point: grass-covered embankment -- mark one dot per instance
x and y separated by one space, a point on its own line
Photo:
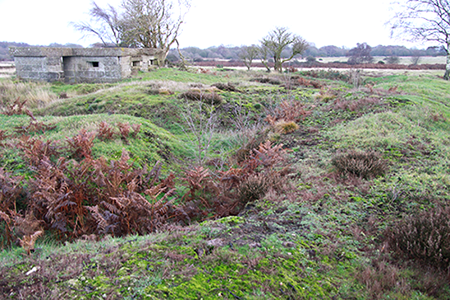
324 235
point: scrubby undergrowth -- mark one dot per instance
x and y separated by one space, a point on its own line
327 189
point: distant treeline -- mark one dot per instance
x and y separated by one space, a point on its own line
232 53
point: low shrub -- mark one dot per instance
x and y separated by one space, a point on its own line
285 127
10 190
225 87
253 188
423 236
273 81
196 95
362 164
287 111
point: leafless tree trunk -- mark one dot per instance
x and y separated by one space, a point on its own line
278 40
248 54
106 24
140 24
154 23
264 52
424 20
200 125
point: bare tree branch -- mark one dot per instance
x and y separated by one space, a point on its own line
279 40
424 20
139 24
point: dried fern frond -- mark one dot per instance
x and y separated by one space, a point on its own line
136 128
16 108
196 176
27 225
269 155
102 223
7 233
28 241
33 127
105 131
35 150
124 129
288 111
3 136
5 217
81 144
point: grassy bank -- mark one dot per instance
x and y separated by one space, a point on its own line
326 215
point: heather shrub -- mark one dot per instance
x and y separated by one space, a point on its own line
423 236
285 127
362 164
197 95
253 188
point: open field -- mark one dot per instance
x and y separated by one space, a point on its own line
227 184
7 69
405 60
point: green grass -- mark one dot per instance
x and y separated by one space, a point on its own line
152 144
321 238
166 74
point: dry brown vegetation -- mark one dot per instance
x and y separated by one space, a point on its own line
206 97
77 195
362 164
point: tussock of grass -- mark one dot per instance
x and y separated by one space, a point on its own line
36 94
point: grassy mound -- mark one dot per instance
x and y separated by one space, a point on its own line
331 208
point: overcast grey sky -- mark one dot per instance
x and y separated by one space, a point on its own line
215 22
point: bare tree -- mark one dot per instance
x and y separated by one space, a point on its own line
424 20
140 24
393 60
415 57
360 54
248 54
154 23
264 54
106 24
279 40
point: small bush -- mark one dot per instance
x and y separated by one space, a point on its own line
393 60
361 164
209 98
273 81
285 127
423 236
288 111
326 74
253 188
225 87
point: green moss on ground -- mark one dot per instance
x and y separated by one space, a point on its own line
321 238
